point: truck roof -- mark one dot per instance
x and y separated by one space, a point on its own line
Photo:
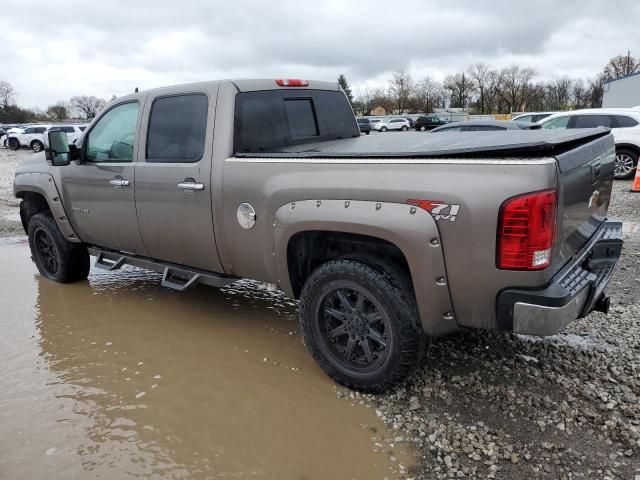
508 143
250 85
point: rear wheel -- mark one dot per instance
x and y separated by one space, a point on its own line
56 258
37 146
625 164
422 128
383 129
13 144
404 128
360 326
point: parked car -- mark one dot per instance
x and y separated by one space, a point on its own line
31 137
364 125
391 124
72 131
9 129
522 230
428 122
624 125
485 126
533 117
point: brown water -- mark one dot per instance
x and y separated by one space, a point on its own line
118 377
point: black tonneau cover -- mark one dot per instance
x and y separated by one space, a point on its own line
508 143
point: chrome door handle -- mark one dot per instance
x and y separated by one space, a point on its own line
119 182
191 186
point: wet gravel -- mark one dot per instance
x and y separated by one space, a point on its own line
9 206
505 406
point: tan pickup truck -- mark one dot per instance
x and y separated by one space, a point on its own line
387 240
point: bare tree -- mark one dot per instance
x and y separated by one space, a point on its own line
579 94
460 88
87 106
485 81
621 65
559 93
428 93
515 86
58 112
401 88
596 90
7 94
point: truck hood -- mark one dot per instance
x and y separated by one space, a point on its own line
33 164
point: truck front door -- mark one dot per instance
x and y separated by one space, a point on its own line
98 194
173 183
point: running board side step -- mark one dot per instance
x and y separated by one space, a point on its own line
176 277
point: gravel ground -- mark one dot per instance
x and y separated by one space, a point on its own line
495 405
9 206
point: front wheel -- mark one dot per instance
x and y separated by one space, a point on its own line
13 144
404 128
625 164
383 129
37 146
56 258
360 325
423 128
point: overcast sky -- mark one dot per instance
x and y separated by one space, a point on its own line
50 51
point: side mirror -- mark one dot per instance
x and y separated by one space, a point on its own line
57 151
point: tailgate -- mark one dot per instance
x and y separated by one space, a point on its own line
585 179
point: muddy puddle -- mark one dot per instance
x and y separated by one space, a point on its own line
119 378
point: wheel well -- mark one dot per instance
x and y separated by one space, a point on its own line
31 204
308 250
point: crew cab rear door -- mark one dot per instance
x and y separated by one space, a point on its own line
173 178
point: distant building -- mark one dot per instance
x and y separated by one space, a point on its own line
623 92
378 111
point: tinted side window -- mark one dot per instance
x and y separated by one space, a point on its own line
526 118
177 128
82 129
30 130
592 121
112 138
623 121
40 129
68 129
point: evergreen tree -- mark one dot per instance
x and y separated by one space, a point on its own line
342 81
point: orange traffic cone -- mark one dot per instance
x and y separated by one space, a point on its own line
636 181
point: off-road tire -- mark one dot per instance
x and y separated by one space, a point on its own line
37 146
405 336
13 144
72 263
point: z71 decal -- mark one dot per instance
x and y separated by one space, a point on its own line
438 209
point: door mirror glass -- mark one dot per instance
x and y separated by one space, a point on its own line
58 150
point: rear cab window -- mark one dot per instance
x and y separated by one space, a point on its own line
271 119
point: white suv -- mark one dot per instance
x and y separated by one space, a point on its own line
33 137
30 137
625 127
391 124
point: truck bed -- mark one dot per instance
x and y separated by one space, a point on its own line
509 143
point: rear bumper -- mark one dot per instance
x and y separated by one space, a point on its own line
574 291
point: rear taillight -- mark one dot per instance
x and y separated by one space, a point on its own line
526 231
292 82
